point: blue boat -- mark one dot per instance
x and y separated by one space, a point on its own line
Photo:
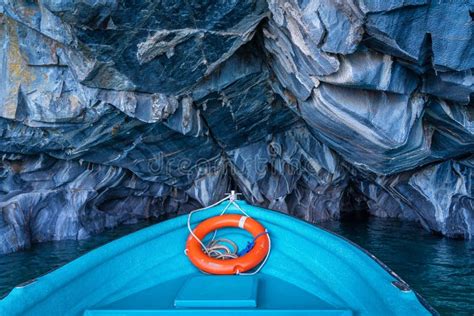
309 271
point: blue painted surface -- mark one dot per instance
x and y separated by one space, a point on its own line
309 271
218 291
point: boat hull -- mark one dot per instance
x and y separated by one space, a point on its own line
309 272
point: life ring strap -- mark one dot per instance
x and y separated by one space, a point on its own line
242 221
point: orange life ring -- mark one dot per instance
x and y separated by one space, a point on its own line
230 266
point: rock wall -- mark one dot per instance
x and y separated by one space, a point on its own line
112 111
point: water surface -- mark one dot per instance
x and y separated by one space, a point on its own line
438 268
23 266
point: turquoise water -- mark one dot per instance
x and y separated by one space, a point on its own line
440 269
22 266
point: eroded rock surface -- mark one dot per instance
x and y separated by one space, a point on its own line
114 111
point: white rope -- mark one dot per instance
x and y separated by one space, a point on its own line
218 250
215 247
202 209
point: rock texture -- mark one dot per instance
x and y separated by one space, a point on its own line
112 111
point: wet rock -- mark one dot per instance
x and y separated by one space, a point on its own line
42 198
439 196
453 126
114 111
407 32
139 47
369 70
296 67
380 6
397 100
375 130
292 172
456 86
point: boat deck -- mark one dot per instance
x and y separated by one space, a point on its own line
229 295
